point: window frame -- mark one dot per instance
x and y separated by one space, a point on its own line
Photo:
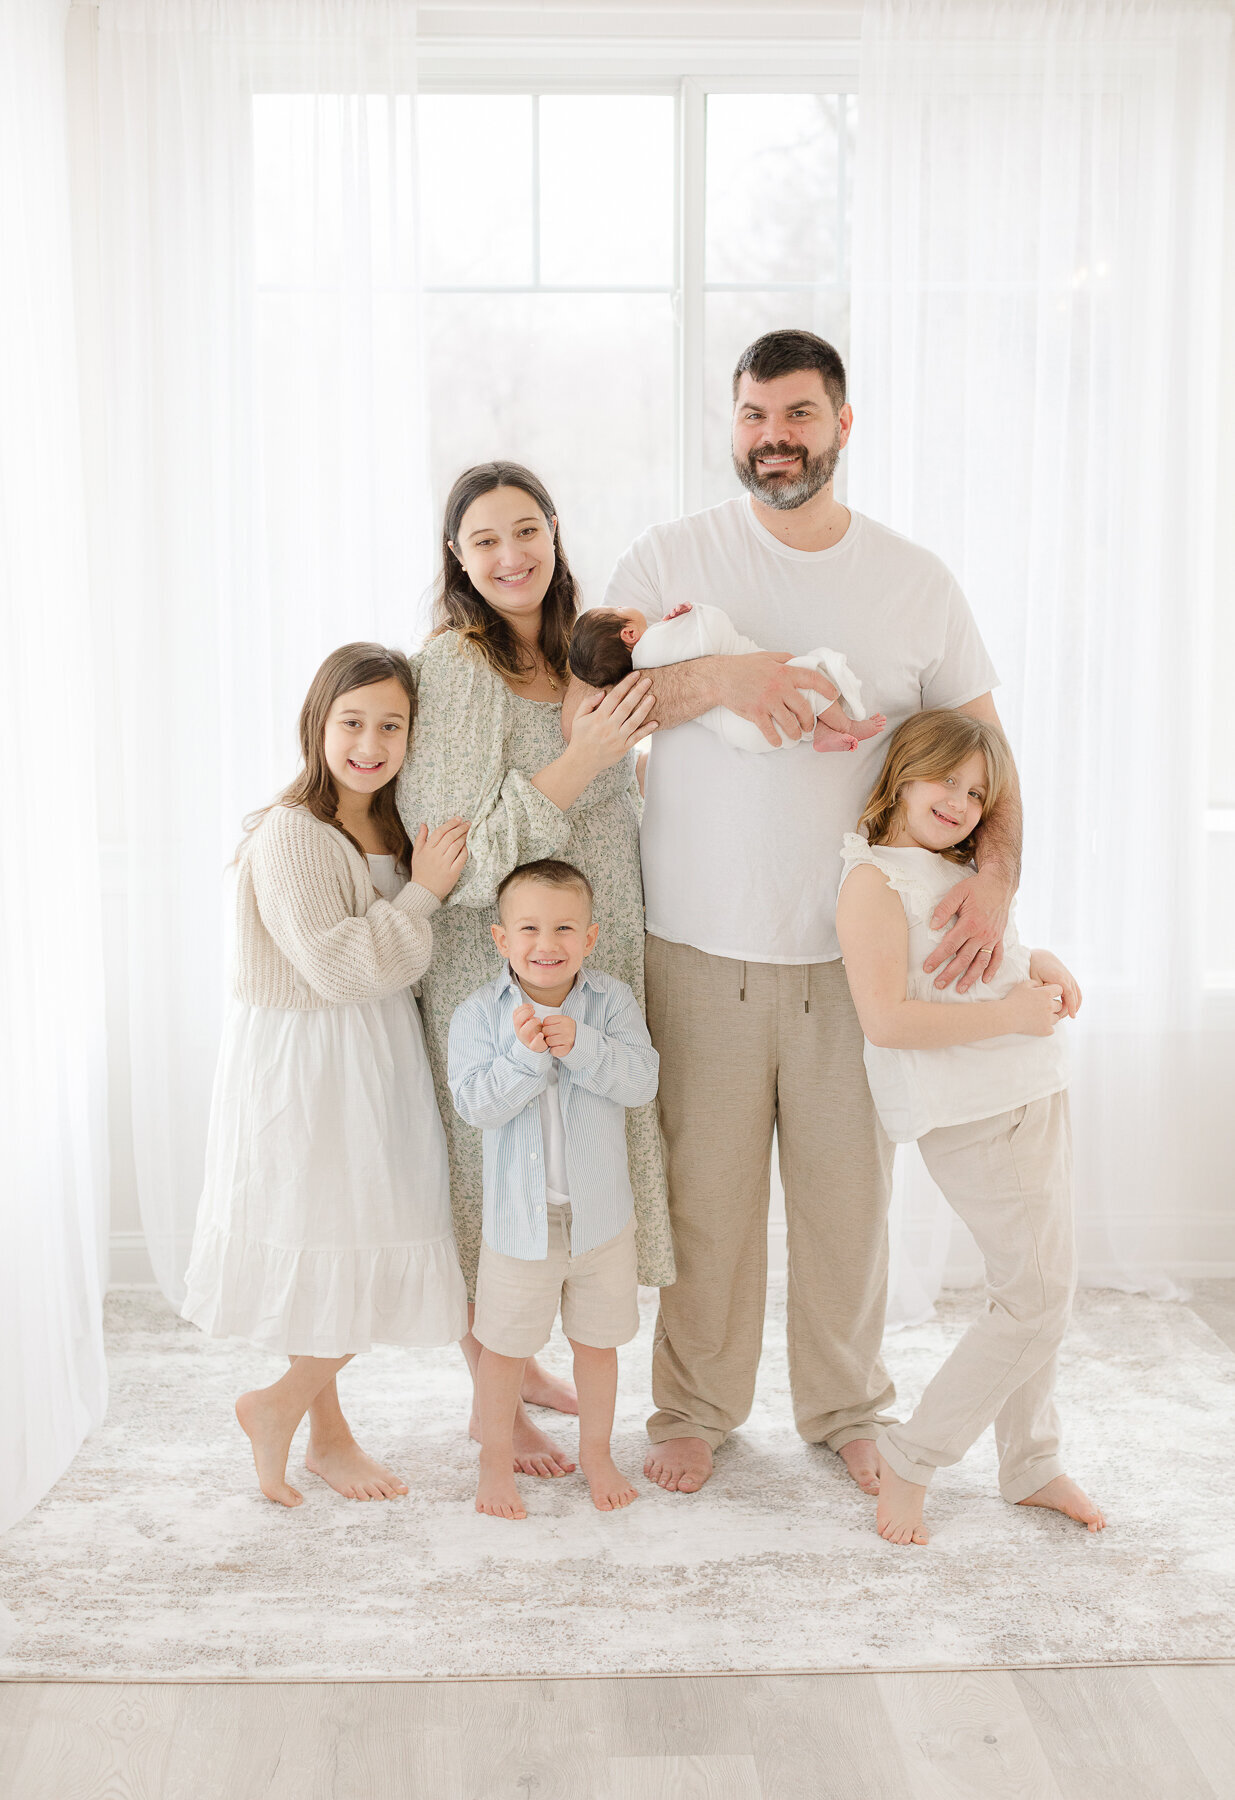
688 74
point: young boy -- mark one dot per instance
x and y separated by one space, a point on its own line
546 1059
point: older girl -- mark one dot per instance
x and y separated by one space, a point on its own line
489 747
324 1224
979 1079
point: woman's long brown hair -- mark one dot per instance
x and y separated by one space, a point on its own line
351 666
928 746
460 608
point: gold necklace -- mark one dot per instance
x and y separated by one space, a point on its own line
537 666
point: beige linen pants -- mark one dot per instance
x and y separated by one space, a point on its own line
745 1047
1010 1179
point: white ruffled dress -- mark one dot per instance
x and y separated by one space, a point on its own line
324 1224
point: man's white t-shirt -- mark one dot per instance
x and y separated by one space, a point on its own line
742 853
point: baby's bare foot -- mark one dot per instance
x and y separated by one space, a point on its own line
898 1518
270 1432
542 1389
679 1465
827 739
610 1488
351 1473
496 1493
535 1452
1062 1495
862 1461
867 728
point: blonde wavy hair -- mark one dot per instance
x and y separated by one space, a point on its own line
927 747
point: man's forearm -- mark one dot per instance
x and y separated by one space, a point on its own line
998 843
685 690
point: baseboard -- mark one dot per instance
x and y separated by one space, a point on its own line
128 1261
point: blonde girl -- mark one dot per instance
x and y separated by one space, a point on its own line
324 1224
979 1079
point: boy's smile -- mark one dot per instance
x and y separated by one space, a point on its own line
545 933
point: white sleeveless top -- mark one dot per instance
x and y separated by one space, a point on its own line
916 1091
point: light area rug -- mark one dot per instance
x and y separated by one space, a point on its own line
156 1558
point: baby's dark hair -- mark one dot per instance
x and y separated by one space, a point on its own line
551 872
597 653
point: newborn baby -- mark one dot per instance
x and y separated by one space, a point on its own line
606 645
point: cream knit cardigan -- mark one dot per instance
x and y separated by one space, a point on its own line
311 928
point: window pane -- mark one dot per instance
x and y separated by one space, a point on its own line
774 179
731 321
577 386
606 190
476 188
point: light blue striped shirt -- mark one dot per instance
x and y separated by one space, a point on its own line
496 1083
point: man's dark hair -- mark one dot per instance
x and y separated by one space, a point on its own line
552 872
597 653
779 353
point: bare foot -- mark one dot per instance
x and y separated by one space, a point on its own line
535 1453
350 1472
496 1493
898 1519
679 1465
542 1389
862 1461
827 739
1062 1495
270 1433
610 1488
867 728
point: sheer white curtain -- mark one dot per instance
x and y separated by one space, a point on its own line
265 486
53 1208
1037 265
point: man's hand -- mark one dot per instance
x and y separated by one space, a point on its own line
1046 968
559 1033
760 688
973 949
528 1028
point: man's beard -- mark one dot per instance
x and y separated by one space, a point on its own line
815 472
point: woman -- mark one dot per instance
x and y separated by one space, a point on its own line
488 747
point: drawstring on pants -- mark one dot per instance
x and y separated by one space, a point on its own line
742 981
805 987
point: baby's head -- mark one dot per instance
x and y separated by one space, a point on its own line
601 644
546 926
943 771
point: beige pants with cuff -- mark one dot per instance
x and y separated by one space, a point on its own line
745 1047
1010 1179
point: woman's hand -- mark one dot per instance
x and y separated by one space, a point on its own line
438 857
1044 966
1032 1008
606 726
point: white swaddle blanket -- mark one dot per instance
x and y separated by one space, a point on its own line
707 631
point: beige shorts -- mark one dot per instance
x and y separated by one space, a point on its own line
517 1300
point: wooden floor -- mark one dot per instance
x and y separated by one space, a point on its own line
1047 1734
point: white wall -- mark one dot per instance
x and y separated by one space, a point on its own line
1194 1228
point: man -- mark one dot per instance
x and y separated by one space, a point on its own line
747 999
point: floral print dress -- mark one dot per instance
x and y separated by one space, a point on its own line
475 746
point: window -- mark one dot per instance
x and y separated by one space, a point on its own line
591 264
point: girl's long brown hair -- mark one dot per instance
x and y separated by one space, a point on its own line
460 608
928 746
351 666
